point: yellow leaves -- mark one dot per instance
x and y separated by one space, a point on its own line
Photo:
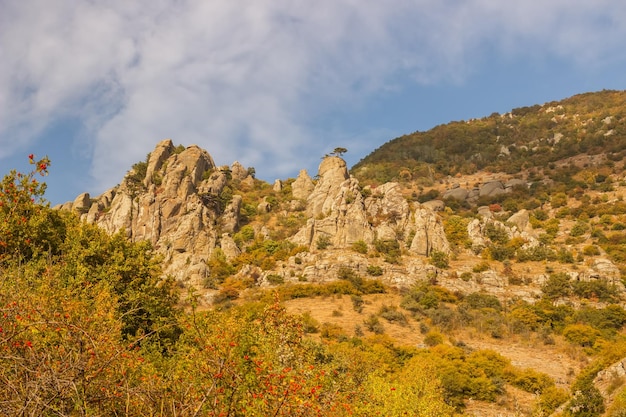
413 391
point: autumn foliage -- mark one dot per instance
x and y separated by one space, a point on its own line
90 327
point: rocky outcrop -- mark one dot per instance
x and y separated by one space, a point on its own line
176 206
303 186
332 173
82 203
516 226
429 233
338 212
187 207
158 156
489 188
238 171
335 208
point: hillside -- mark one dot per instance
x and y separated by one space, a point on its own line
488 253
525 139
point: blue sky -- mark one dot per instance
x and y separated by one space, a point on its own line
276 84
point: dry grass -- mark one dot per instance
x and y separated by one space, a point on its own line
559 361
322 308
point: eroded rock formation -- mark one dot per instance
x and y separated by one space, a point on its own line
177 200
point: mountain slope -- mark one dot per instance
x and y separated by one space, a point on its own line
527 137
505 230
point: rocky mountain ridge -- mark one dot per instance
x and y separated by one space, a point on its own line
190 209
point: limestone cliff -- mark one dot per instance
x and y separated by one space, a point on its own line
170 201
186 206
338 211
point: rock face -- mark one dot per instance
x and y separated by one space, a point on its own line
333 174
429 234
303 186
516 226
339 212
187 207
177 201
175 205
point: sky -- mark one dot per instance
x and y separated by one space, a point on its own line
277 84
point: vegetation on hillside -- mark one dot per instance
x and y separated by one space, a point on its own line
90 326
526 138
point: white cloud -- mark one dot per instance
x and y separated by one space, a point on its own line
246 79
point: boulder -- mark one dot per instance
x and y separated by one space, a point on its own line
303 186
485 212
264 207
178 216
238 171
229 247
434 205
515 182
456 193
521 220
491 188
230 217
475 235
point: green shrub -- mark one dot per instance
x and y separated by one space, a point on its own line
558 285
245 234
332 331
360 247
455 228
599 289
564 256
365 286
481 267
374 270
225 294
480 300
357 303
587 401
500 252
532 381
373 324
551 398
558 200
537 253
591 250
275 279
323 242
309 324
496 233
421 297
466 276
389 249
579 229
391 314
439 259
540 215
